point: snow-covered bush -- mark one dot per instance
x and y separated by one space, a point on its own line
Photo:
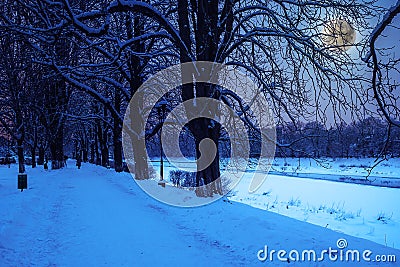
182 178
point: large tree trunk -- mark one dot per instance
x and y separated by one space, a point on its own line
140 160
57 150
206 37
57 104
57 129
135 67
139 145
141 168
208 177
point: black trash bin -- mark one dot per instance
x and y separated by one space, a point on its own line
22 181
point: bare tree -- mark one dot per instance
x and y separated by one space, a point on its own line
15 75
281 45
385 67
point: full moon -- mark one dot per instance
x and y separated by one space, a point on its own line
339 35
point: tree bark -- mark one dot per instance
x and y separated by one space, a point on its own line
206 34
20 153
117 135
34 146
141 168
57 150
41 155
57 105
33 155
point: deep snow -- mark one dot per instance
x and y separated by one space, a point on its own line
96 217
370 212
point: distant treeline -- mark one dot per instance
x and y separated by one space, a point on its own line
366 138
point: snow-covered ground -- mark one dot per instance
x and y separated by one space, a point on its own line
365 211
368 212
96 217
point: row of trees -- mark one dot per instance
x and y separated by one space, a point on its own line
365 138
69 68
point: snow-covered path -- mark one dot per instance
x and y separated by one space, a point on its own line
88 220
95 217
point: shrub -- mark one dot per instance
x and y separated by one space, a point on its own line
182 178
